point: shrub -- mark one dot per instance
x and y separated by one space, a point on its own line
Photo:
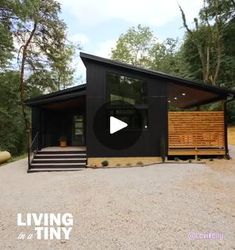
105 163
140 163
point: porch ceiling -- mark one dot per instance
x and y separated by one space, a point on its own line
183 96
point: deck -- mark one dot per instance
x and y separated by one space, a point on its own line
196 133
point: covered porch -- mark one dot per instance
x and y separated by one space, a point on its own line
193 130
63 122
58 131
60 116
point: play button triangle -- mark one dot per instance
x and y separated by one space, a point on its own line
116 125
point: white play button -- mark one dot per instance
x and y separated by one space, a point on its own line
116 125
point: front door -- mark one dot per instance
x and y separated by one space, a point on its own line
78 138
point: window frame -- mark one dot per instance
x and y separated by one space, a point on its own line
145 86
141 107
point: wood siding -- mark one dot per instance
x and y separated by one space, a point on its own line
196 130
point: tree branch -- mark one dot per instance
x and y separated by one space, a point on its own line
204 61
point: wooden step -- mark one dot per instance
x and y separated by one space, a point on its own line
58 165
34 170
60 160
60 156
46 161
61 152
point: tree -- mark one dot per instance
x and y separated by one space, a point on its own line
208 50
12 124
139 47
165 57
133 47
227 73
207 37
6 41
41 38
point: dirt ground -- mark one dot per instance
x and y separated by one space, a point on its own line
156 207
231 135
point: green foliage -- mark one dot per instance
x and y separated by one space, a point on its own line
105 163
12 132
40 37
6 41
43 54
133 47
223 8
139 47
208 50
231 112
227 73
192 62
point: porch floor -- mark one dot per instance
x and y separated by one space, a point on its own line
68 148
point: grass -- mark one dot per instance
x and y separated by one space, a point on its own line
231 135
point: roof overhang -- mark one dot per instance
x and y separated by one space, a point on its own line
183 93
58 96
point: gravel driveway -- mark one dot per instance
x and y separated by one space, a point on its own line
154 207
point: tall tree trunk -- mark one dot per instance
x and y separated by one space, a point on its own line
21 76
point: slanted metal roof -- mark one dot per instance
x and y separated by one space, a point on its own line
58 96
184 93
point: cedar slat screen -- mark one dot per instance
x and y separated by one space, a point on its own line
197 129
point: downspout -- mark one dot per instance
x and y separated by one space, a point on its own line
229 99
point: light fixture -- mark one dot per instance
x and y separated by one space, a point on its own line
183 94
175 98
169 101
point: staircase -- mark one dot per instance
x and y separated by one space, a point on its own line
44 161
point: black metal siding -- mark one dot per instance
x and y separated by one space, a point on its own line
149 144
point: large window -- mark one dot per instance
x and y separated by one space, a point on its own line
127 89
131 91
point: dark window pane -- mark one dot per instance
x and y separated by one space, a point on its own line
127 89
136 119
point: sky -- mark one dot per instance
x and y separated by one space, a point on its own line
97 24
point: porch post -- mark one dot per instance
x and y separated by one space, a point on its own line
226 131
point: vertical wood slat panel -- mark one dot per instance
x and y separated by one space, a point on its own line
196 129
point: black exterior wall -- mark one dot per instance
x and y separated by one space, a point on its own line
36 124
151 141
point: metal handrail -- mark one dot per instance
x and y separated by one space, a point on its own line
32 149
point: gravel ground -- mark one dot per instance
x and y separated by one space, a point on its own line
154 207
